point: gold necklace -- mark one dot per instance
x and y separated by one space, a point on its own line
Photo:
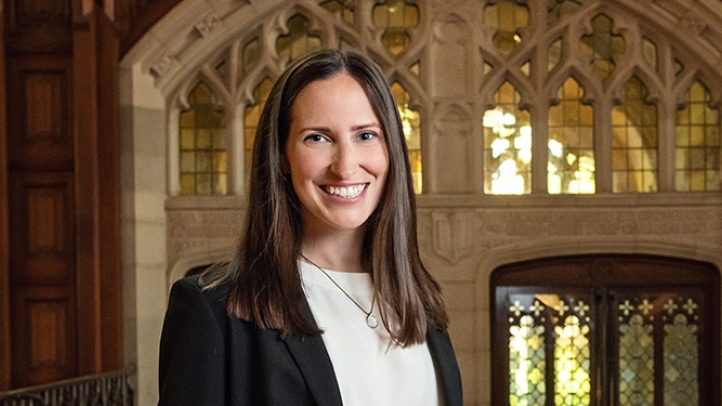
371 320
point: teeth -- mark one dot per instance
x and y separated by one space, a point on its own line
347 192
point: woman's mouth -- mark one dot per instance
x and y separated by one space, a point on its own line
347 192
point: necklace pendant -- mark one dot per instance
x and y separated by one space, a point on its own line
372 321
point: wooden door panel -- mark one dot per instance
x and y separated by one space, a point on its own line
42 229
40 125
44 329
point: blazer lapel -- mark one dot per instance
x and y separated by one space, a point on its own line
313 361
446 366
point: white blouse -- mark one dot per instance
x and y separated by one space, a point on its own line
370 370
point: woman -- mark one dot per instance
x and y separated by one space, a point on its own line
326 301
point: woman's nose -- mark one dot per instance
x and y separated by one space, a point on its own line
345 161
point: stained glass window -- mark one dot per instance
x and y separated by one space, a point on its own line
411 122
345 8
649 53
571 143
634 141
698 142
602 47
299 41
203 148
507 145
554 56
508 17
559 8
589 330
396 18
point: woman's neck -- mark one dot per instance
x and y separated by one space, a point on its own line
338 252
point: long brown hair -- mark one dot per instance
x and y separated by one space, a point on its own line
265 283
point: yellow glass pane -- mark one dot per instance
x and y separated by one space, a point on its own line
187 139
411 123
508 17
203 138
415 68
396 18
344 8
188 162
203 184
697 158
571 162
188 184
187 119
507 145
202 129
219 139
649 53
220 182
220 163
203 162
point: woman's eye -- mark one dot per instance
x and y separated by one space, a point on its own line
366 136
315 138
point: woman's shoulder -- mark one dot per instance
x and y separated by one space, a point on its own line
201 288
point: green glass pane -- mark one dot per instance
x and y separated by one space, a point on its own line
602 47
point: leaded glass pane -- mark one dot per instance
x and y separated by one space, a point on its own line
396 18
251 118
251 55
636 358
649 53
634 143
602 47
526 68
299 41
197 126
527 358
411 122
572 362
508 17
547 327
681 353
556 9
554 56
571 143
345 8
698 143
507 145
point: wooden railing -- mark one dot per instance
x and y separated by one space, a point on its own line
106 389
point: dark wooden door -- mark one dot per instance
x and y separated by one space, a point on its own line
60 313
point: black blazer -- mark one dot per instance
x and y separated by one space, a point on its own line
210 358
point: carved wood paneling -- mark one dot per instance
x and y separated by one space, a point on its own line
44 340
29 22
42 230
39 124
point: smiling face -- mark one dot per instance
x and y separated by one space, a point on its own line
336 154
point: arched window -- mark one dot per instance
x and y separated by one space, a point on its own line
592 330
250 65
203 153
598 90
